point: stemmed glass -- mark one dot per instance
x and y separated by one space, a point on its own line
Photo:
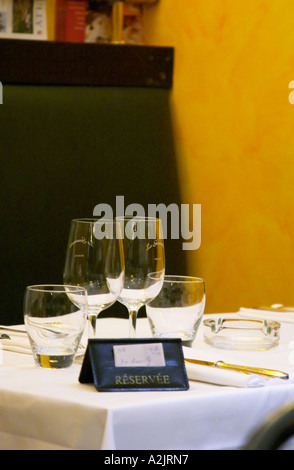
94 260
144 263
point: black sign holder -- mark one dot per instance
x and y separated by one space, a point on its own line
99 367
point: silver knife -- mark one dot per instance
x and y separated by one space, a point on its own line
10 328
275 309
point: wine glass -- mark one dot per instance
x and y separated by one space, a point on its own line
144 263
94 260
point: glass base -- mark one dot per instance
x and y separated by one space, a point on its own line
187 339
54 362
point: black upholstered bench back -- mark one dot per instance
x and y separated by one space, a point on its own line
65 149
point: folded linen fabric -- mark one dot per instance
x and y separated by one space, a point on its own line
286 316
17 342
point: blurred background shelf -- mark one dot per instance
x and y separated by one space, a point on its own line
62 63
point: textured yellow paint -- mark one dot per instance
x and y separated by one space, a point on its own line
234 131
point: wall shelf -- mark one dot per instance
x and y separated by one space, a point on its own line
60 63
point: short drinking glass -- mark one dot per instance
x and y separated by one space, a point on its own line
178 309
55 317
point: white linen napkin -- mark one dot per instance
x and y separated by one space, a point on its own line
229 378
20 343
258 313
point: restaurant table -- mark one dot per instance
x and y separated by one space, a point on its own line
50 409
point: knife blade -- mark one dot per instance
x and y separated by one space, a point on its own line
239 368
275 309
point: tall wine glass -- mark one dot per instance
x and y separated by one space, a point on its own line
94 260
144 263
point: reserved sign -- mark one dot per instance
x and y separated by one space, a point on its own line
133 365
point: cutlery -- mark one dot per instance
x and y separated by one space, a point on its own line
239 368
275 309
4 336
10 328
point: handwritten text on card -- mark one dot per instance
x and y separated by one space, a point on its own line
139 355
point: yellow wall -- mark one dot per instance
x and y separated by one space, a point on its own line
234 131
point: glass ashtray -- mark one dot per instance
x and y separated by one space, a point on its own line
241 333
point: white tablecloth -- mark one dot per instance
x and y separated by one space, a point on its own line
50 409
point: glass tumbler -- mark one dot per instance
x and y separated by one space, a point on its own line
55 317
177 310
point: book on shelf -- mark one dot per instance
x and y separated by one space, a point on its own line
70 20
98 22
27 19
133 27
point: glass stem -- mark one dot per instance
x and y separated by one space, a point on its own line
92 318
133 321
